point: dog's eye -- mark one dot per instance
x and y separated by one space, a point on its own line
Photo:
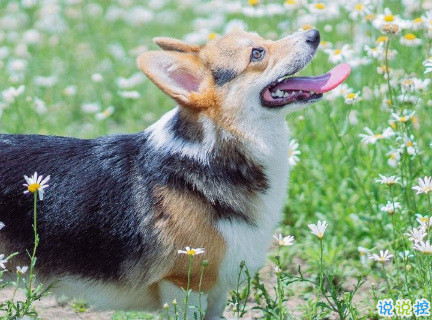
257 54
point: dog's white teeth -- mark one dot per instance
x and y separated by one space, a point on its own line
286 94
312 92
279 93
273 94
300 91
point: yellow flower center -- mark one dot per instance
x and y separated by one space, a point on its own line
359 7
378 136
191 252
307 27
410 144
427 190
418 20
33 187
410 36
392 156
403 119
212 36
388 18
424 219
320 6
253 2
320 235
338 51
291 2
382 39
350 96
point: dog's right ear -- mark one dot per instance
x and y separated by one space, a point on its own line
171 44
178 74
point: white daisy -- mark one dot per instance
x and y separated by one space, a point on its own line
352 98
21 270
97 77
405 255
416 234
402 118
340 55
284 241
293 152
383 257
105 114
391 180
130 94
410 40
10 94
390 207
394 157
277 269
372 138
191 252
3 260
421 85
36 184
428 66
425 185
358 9
424 247
377 52
425 221
318 229
410 145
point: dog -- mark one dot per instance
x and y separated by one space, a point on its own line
211 173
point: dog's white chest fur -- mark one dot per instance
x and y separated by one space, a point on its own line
250 243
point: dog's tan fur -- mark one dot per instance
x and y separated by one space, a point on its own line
196 231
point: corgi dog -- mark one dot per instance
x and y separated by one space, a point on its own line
212 173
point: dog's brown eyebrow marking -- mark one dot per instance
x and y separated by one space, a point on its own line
222 76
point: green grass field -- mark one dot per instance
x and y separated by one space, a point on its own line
75 64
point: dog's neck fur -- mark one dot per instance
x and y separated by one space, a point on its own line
239 168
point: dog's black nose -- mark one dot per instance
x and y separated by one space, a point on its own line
313 37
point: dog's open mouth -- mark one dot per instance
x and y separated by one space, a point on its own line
287 90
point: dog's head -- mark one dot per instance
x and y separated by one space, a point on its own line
240 73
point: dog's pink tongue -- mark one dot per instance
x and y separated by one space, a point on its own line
318 84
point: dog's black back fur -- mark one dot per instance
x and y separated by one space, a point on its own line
99 209
86 211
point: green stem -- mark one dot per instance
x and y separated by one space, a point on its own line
188 286
16 288
321 275
356 177
33 256
203 266
388 71
387 282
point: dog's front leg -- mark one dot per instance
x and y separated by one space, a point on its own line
216 303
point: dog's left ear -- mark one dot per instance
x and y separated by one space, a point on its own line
170 44
180 75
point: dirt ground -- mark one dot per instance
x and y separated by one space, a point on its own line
49 308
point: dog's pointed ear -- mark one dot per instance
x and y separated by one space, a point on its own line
170 44
177 74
